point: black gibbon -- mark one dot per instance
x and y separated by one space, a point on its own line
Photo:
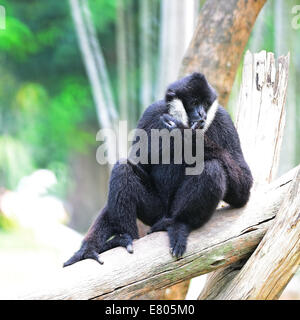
162 195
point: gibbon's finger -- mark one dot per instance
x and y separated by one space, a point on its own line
127 242
75 258
168 121
194 125
94 256
178 250
78 256
121 240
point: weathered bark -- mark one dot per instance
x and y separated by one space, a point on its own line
260 122
260 118
285 41
229 236
276 259
219 40
271 266
218 280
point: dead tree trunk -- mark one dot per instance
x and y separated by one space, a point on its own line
218 43
276 259
260 123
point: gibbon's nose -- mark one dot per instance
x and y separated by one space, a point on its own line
202 119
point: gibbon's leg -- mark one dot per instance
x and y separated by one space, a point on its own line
238 174
94 240
194 203
161 225
239 183
130 195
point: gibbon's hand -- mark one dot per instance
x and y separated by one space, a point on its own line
170 122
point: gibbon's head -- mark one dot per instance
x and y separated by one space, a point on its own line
192 100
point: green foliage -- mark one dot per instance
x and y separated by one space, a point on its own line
47 112
12 39
64 116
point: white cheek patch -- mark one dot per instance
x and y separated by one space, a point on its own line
211 114
177 110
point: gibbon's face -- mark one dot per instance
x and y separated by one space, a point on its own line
196 114
196 96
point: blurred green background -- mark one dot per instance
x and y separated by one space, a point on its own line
49 117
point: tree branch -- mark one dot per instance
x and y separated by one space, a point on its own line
230 235
276 259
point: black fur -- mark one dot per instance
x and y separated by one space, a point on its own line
162 195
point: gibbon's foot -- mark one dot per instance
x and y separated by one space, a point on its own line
161 225
89 251
86 251
178 234
120 240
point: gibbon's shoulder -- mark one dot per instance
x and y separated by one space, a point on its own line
223 118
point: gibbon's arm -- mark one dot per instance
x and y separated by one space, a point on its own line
150 119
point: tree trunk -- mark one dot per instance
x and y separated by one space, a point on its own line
218 43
